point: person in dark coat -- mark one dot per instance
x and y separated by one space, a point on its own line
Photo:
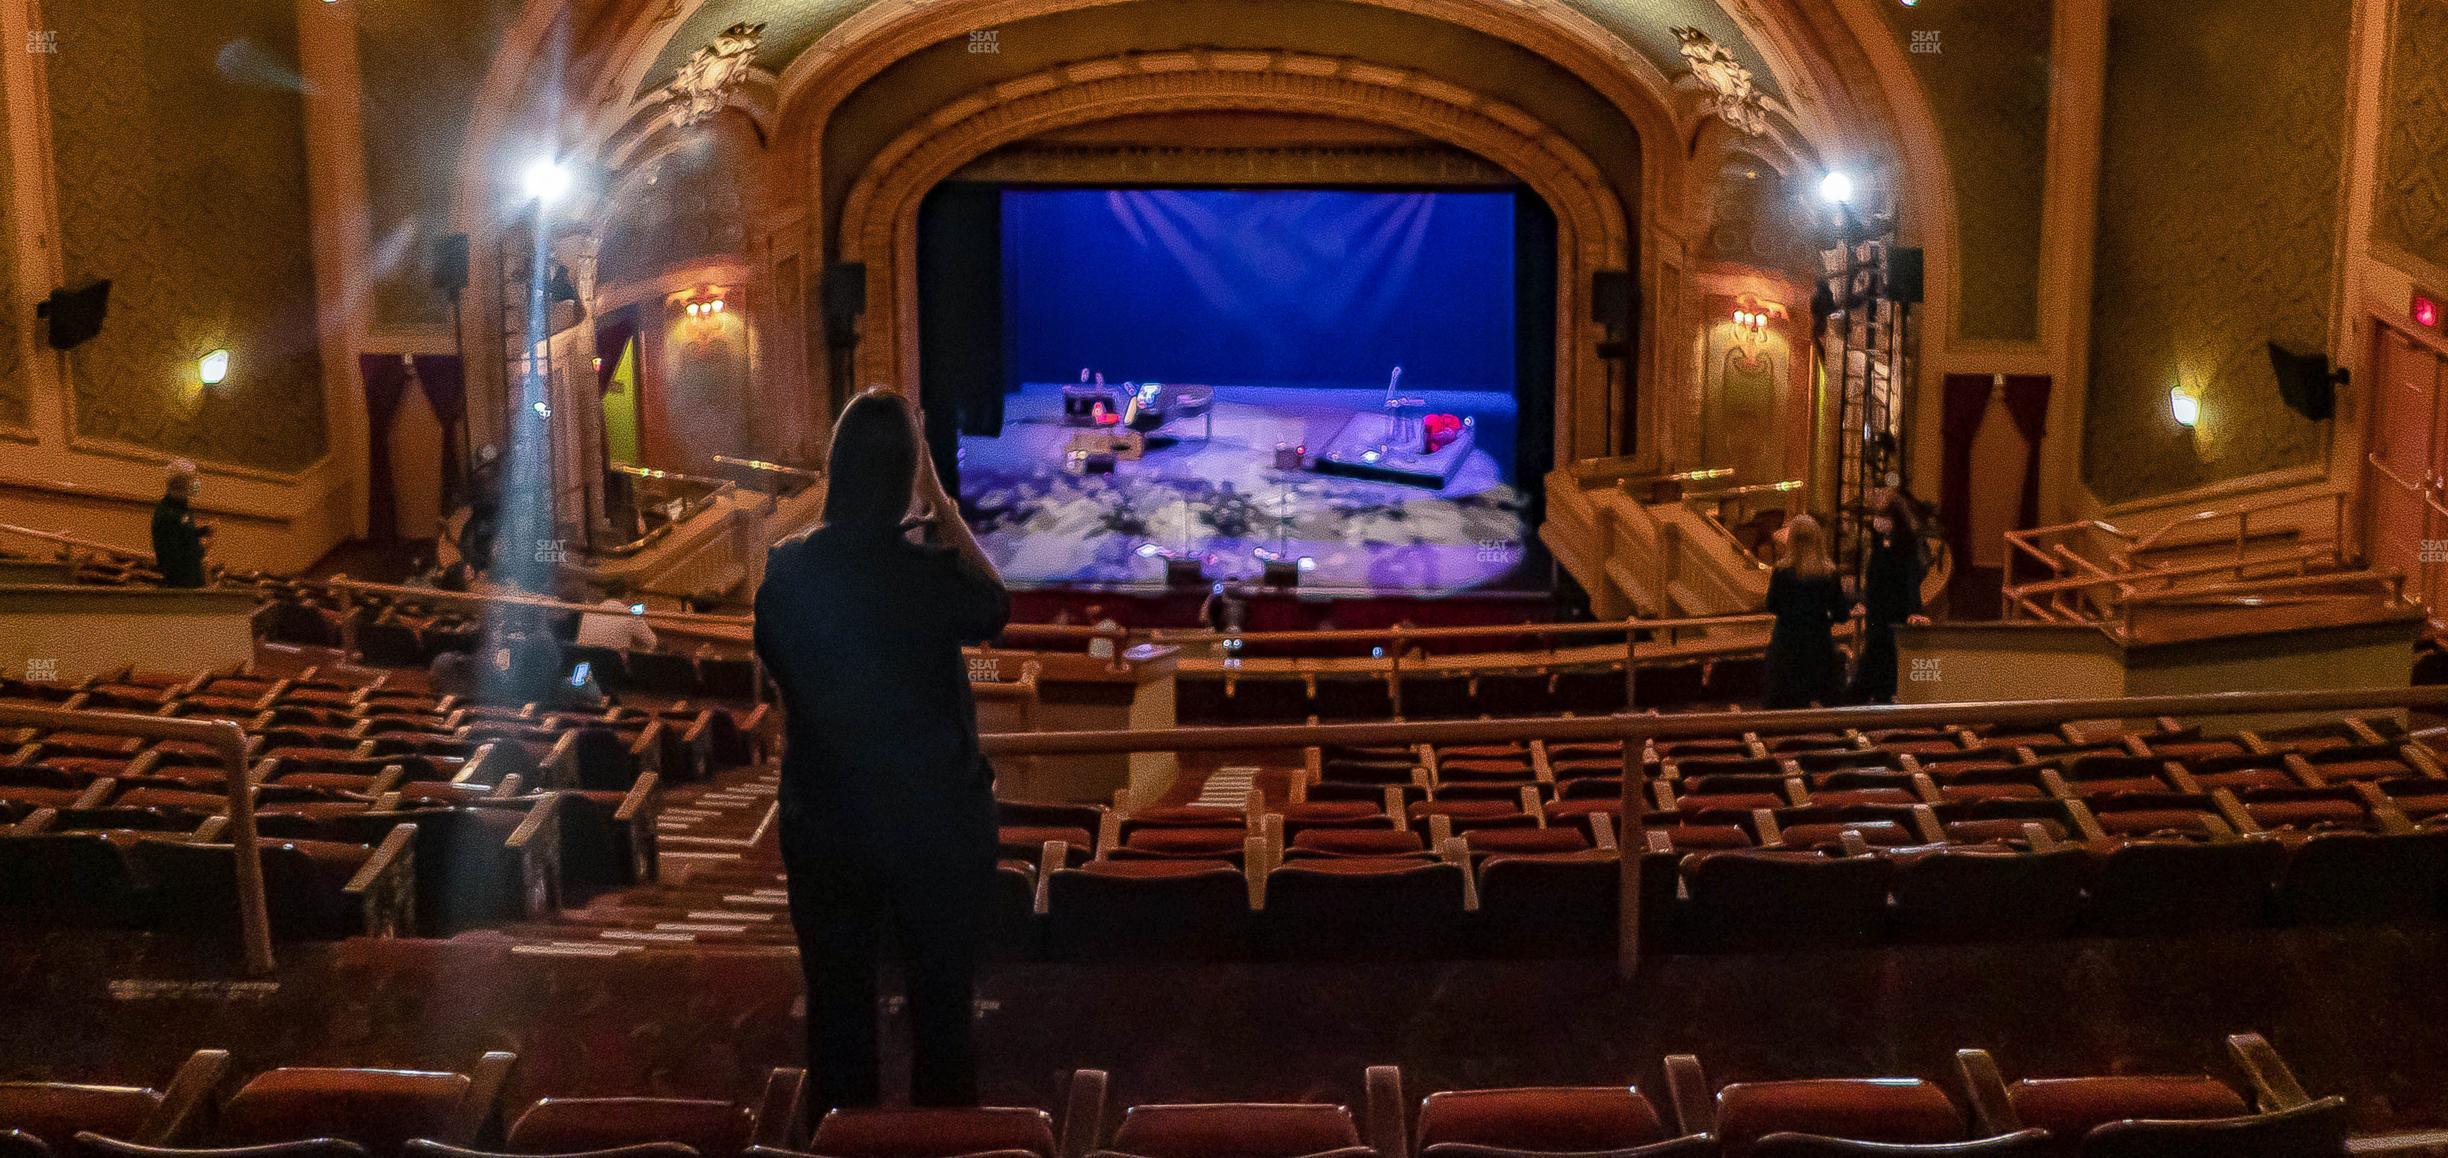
888 811
178 542
1808 600
1891 594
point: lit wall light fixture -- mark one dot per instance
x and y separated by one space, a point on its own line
213 368
2426 311
2185 405
547 181
1836 188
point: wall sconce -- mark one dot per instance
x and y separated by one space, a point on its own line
2425 311
1753 316
706 303
213 368
2185 405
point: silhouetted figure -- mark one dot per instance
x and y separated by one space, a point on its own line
1891 594
888 812
178 542
1808 601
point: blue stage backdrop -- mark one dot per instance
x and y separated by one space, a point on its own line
1277 287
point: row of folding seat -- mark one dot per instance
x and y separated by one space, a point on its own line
1236 698
398 633
358 1113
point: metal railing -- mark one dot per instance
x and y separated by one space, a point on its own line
229 743
1635 731
2081 556
70 543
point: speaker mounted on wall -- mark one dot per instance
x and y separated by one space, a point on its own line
845 302
75 315
1906 275
2306 382
450 264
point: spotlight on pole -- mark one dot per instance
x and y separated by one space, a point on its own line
547 181
1836 188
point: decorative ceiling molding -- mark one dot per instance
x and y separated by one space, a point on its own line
705 84
1738 99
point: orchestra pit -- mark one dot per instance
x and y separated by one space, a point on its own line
1535 578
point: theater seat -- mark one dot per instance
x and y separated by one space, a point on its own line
1357 842
1886 1110
1765 899
935 1133
712 1129
1557 905
2347 877
377 1109
1364 908
1543 1120
50 1115
97 1146
2162 887
2305 1131
1238 1130
2070 1108
1146 910
1955 895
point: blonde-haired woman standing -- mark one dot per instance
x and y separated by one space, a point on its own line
1808 600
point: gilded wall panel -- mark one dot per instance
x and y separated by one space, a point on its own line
2218 229
2414 174
1984 66
179 139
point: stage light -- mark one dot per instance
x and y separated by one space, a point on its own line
2426 312
2185 406
547 181
1836 188
213 368
543 410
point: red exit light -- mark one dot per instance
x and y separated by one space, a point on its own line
2426 311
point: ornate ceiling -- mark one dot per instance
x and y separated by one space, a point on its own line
791 26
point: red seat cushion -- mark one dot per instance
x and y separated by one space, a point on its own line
1189 814
1465 809
2069 1108
378 1109
1241 1130
2142 821
933 1133
2306 813
171 798
1195 841
1527 840
1154 868
1331 811
1843 796
1883 833
1014 836
1554 1118
55 1111
568 1125
1893 1110
1357 841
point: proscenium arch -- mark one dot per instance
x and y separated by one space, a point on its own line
879 221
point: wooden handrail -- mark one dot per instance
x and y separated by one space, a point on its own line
66 540
229 742
2239 511
511 599
2426 494
1634 731
1408 634
758 464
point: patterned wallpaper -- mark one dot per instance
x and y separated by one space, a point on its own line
180 144
2217 234
16 390
2414 174
1984 65
422 60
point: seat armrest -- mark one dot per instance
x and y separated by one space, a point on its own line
1687 1093
1083 1121
782 1114
184 1099
482 1103
1383 1125
384 889
1993 1111
2273 1081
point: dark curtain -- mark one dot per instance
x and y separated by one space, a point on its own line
386 381
2027 401
613 333
1534 349
961 343
445 382
1965 399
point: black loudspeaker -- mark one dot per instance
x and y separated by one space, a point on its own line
1181 573
1284 574
450 264
1611 293
2305 381
1906 272
75 315
845 301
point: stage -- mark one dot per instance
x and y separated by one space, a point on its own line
1221 498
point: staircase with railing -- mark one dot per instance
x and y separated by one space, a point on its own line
2276 551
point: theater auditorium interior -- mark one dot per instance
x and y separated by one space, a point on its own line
1594 578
